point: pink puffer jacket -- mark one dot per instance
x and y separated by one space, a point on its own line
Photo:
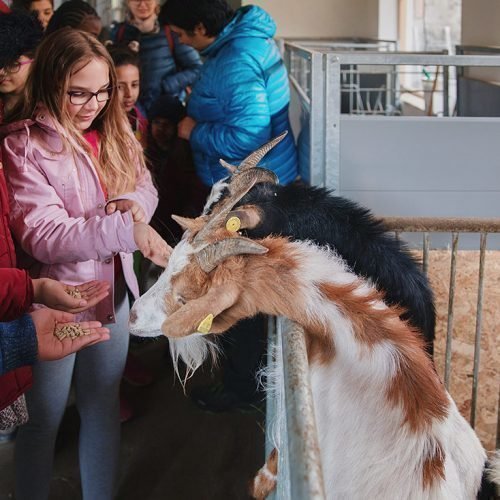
58 210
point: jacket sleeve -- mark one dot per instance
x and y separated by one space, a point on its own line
241 91
18 344
188 65
42 225
16 293
145 193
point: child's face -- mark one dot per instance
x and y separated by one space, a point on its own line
88 80
13 78
163 131
44 11
128 85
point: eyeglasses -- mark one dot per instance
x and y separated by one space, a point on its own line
82 97
15 66
137 2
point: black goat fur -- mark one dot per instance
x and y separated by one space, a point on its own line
303 212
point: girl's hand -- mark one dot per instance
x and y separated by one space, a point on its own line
69 298
137 211
151 244
50 347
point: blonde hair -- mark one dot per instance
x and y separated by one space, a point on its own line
58 57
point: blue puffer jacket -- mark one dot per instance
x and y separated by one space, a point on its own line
161 73
241 99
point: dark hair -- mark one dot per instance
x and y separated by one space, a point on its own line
26 4
20 34
70 13
187 14
122 56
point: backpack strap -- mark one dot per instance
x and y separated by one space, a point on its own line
120 32
170 38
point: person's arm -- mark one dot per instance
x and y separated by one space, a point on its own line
16 293
31 337
18 345
247 124
188 65
42 225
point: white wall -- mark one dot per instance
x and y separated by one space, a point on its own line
303 18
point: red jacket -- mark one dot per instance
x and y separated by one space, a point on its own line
16 296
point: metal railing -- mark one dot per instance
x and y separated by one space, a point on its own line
290 423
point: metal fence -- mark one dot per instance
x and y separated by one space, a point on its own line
290 421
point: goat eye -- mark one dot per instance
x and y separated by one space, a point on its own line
181 299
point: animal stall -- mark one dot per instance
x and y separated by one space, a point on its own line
412 166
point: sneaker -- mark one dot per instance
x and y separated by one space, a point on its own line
216 398
136 373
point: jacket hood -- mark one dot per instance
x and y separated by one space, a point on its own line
250 21
40 117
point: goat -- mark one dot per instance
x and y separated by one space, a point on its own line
398 429
387 427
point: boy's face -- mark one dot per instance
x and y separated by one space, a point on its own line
128 85
163 131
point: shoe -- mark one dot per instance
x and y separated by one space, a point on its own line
126 410
135 373
216 398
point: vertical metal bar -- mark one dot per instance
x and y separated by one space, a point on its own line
451 297
306 475
498 423
425 253
333 97
477 343
446 91
317 121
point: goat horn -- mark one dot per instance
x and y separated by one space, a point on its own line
212 255
253 159
218 217
231 168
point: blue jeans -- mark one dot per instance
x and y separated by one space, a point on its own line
96 373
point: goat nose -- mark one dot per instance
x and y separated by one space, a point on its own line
133 317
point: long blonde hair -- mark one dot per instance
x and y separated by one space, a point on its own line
58 57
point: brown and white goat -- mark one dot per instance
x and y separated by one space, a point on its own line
387 427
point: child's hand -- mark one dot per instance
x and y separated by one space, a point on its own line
151 244
69 298
50 347
136 210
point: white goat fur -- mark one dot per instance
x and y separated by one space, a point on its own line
368 449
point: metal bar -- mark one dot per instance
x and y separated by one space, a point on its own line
442 224
425 253
300 91
305 460
451 297
477 342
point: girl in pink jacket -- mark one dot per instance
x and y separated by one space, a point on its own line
81 198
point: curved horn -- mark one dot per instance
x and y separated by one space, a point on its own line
218 217
253 159
231 168
212 255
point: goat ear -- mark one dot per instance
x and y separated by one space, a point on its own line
248 217
190 316
193 225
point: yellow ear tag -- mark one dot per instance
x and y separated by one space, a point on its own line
206 324
233 224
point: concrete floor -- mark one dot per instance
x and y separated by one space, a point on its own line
170 450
